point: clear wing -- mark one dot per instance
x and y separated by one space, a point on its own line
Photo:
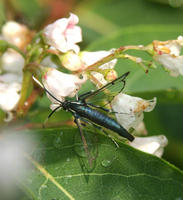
105 94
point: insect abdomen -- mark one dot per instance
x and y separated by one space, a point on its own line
101 119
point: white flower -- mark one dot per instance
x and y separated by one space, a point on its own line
63 34
90 58
153 145
12 62
9 95
17 34
168 54
61 85
130 109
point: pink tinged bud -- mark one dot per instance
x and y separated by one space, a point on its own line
63 34
9 96
130 109
111 75
153 145
168 54
72 62
61 85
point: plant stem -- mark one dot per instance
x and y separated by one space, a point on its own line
116 54
16 49
27 75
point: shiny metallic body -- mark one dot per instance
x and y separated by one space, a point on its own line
82 110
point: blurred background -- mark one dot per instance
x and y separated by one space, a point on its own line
109 24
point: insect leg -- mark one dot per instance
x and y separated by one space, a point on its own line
105 109
99 107
100 128
78 123
53 111
82 96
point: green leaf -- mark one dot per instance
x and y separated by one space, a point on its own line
118 173
105 17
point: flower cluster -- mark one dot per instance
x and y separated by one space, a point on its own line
11 66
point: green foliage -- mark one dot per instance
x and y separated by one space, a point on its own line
119 173
104 17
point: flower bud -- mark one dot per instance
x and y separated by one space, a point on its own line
9 95
12 62
17 34
111 75
130 109
72 62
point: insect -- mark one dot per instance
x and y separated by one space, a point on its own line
84 110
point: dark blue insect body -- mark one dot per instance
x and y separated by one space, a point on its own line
82 110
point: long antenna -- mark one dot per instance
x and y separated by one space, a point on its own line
42 86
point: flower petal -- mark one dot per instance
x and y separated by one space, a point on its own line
61 85
130 109
153 144
63 34
168 53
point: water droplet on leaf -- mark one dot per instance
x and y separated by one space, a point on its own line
106 163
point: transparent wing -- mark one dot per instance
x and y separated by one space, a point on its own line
105 95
